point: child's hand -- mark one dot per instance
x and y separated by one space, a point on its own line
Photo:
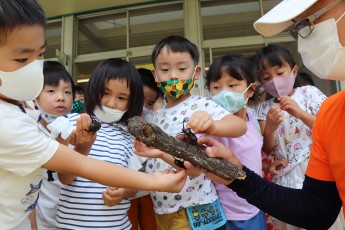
273 168
142 150
169 180
80 137
290 105
273 119
113 196
201 122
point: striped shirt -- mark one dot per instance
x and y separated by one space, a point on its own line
81 205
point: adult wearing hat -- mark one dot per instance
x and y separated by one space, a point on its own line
319 28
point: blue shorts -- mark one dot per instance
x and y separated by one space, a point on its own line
258 222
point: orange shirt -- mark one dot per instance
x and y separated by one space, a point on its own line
327 158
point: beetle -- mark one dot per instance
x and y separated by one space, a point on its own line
94 126
191 139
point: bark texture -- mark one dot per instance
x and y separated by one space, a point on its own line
153 136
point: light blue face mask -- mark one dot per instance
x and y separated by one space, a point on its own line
231 101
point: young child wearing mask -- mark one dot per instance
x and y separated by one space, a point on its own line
151 93
55 100
231 82
79 100
113 95
26 147
289 115
175 60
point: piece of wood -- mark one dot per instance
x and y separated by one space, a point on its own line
153 136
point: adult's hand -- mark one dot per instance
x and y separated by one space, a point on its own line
216 149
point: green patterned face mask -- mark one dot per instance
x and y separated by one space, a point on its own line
176 88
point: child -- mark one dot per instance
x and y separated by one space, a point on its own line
55 100
79 100
151 93
231 82
141 213
113 95
25 147
175 60
289 115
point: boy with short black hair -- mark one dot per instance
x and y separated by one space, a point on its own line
176 68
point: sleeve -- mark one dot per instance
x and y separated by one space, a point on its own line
217 112
315 206
319 165
24 146
315 99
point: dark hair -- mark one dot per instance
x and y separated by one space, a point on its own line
235 65
15 13
149 80
270 56
303 79
54 72
78 90
176 44
109 69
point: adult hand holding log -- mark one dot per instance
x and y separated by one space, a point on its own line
152 136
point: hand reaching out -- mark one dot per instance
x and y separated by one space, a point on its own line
215 149
201 122
80 137
142 150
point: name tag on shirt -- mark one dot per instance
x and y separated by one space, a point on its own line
206 216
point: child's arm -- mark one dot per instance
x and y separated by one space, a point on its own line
272 168
290 105
229 126
112 175
274 118
67 161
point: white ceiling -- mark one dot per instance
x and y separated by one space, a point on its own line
55 8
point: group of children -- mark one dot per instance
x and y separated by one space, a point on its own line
98 173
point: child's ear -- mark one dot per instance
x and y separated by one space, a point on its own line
153 71
197 72
295 70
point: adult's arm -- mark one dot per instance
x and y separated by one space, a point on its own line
315 206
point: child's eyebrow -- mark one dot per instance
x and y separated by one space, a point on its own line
27 50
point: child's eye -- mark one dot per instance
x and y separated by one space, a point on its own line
232 85
164 70
42 54
51 91
68 92
216 87
182 69
280 73
22 60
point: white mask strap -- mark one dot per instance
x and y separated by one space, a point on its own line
247 88
341 16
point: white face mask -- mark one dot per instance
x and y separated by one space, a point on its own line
24 84
49 118
108 115
322 52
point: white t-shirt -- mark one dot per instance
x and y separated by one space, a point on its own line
24 148
292 139
198 190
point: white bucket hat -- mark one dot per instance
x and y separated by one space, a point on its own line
279 18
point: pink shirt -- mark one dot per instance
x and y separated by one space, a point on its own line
247 148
